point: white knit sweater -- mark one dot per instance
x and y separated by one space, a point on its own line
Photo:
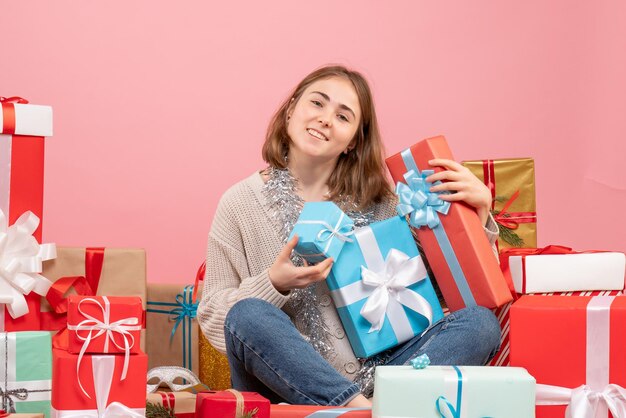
243 244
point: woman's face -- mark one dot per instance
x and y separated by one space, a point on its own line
324 120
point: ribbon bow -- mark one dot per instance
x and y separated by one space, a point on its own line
185 308
583 401
7 398
168 374
328 232
392 282
14 99
21 258
97 327
417 200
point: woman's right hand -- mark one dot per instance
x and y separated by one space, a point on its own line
285 276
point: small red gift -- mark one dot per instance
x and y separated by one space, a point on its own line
94 385
451 235
231 403
104 324
314 411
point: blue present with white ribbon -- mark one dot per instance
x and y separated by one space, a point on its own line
322 230
381 289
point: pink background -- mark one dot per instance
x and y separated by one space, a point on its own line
160 106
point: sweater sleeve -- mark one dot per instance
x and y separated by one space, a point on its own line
228 279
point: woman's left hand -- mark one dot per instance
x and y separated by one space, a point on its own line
467 186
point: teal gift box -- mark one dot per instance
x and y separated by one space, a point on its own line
453 391
26 371
322 230
381 289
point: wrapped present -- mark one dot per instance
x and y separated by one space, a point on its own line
560 269
183 404
511 182
451 235
21 285
97 385
574 346
322 230
214 369
26 371
91 272
22 130
453 391
231 403
315 411
381 289
171 329
104 324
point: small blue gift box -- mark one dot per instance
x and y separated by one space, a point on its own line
322 230
381 289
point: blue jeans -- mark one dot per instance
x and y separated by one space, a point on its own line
267 354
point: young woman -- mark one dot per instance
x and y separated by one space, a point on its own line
271 314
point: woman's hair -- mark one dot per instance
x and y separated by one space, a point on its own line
359 174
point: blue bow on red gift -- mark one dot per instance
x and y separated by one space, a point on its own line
416 199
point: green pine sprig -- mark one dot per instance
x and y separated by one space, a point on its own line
154 410
507 234
251 414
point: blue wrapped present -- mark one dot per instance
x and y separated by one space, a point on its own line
322 230
381 289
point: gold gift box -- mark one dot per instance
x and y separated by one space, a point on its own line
161 349
505 177
214 370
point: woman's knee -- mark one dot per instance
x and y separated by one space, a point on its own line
249 315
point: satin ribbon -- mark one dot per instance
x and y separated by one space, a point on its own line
168 399
333 413
444 242
183 311
416 200
103 368
8 113
96 327
199 279
444 405
597 396
168 374
524 252
385 285
21 258
328 232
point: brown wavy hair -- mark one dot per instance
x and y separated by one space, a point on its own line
360 174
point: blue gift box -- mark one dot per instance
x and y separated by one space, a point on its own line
381 289
322 230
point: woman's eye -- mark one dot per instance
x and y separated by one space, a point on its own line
343 117
317 103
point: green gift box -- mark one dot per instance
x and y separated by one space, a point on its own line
26 372
457 391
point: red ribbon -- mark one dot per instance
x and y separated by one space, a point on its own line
199 278
8 113
168 398
550 249
86 285
3 413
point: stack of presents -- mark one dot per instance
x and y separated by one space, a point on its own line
84 335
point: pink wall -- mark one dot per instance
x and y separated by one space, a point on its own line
160 106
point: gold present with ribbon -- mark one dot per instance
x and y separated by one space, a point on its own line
512 185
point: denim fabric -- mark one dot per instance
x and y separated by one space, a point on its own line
269 356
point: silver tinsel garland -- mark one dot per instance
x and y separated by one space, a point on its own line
285 204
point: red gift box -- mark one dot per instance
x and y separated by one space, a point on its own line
22 131
99 385
231 403
568 342
457 249
313 411
104 324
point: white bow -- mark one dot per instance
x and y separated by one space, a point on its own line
583 402
392 284
97 327
21 258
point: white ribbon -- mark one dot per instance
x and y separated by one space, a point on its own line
21 258
385 285
97 327
329 232
597 397
103 367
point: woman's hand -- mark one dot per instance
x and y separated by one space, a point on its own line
467 186
285 276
